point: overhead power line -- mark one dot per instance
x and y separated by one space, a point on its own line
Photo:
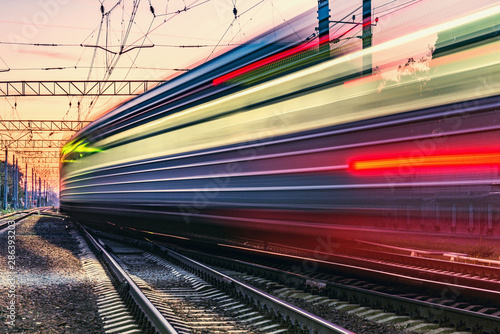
60 68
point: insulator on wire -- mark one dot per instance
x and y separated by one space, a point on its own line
235 12
102 9
152 10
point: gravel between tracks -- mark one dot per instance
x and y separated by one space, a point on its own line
188 309
53 292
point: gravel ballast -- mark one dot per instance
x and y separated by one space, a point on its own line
53 294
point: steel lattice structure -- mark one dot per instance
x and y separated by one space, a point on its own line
39 160
41 125
15 145
76 88
36 154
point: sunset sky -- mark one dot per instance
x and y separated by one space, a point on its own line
71 23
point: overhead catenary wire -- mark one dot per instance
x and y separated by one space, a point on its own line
114 60
217 45
230 43
84 45
124 47
279 13
398 8
62 68
7 69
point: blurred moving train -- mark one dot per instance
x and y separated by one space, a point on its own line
273 141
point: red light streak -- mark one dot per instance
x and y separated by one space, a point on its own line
267 61
453 160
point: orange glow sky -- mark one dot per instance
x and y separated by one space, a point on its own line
77 22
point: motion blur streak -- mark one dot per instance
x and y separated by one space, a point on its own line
430 161
238 148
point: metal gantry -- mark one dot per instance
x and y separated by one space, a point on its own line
56 144
41 125
76 88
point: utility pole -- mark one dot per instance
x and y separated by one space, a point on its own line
39 191
26 188
324 28
44 193
32 187
14 182
367 36
6 171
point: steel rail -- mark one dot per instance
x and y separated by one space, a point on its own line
310 320
425 308
155 317
4 223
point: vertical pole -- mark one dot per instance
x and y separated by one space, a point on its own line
13 205
35 194
39 191
18 179
32 187
324 28
367 36
14 183
6 170
26 188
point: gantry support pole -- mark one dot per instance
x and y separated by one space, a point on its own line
32 187
39 191
26 206
367 36
14 182
324 28
6 171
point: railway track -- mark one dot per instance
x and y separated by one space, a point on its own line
56 283
470 280
415 291
194 298
14 217
420 299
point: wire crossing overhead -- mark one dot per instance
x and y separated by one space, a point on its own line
39 160
52 126
76 88
36 154
32 144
